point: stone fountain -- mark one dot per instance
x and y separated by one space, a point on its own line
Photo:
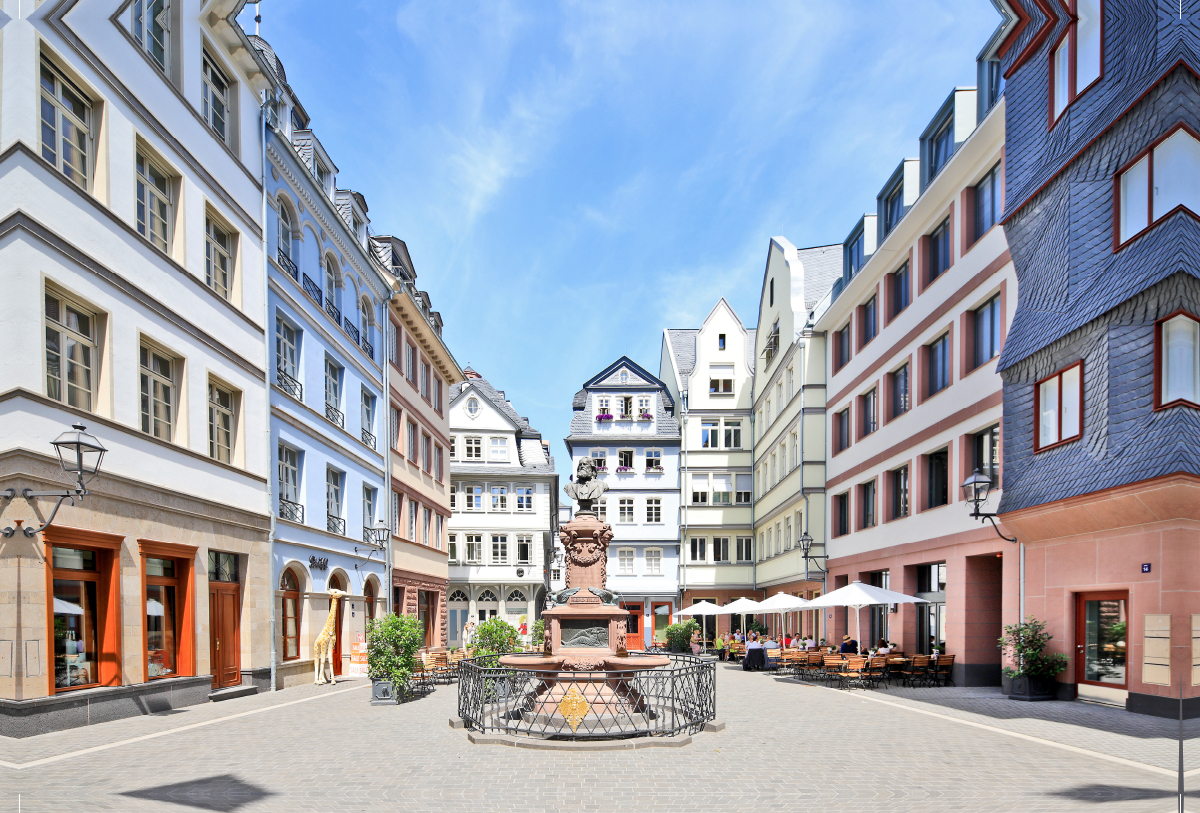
585 623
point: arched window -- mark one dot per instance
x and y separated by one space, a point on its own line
330 282
516 595
458 595
369 600
291 615
285 232
487 595
364 319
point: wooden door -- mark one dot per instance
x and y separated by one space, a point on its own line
635 637
224 640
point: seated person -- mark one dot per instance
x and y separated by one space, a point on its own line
753 642
849 645
810 643
719 645
882 647
770 643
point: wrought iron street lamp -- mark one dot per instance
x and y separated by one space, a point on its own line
976 489
377 537
80 455
806 543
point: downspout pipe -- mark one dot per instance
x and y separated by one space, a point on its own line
268 97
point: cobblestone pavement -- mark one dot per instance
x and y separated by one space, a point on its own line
786 746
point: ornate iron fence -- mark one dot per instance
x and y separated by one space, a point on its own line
289 385
368 349
351 330
672 699
311 288
291 510
332 310
335 525
335 415
368 438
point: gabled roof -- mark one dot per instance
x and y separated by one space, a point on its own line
474 381
682 342
582 428
597 381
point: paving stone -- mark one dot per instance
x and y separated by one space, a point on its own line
785 746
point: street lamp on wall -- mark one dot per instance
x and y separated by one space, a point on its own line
806 543
378 534
976 489
79 455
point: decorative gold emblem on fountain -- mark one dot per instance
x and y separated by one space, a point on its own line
574 707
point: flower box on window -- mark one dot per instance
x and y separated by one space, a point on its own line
604 416
602 468
621 469
654 469
624 417
645 416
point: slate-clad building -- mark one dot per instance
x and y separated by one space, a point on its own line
1101 365
624 419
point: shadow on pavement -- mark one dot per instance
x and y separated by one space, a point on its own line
1117 793
225 793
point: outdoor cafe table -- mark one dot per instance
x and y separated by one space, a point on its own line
755 659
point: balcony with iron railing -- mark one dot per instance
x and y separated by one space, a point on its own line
368 438
335 415
312 289
334 313
368 349
289 510
286 263
335 525
289 385
351 330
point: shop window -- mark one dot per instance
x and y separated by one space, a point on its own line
84 578
1058 404
168 634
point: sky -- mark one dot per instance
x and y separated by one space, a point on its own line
571 178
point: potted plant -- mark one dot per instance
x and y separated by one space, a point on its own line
654 469
604 416
621 469
602 468
493 638
392 644
646 416
1033 678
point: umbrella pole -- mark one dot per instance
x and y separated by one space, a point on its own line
858 629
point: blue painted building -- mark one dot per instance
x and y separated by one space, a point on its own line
326 299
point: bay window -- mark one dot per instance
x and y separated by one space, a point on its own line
1162 179
1058 404
1178 353
1076 61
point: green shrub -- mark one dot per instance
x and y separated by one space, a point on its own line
494 637
1026 644
392 644
679 636
539 633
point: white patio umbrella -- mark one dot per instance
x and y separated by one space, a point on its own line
782 603
859 595
701 608
742 607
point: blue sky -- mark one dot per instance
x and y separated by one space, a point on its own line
571 178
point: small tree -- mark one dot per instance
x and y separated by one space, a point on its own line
392 644
1025 643
539 633
679 636
494 637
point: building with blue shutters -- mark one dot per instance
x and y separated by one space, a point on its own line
625 419
326 299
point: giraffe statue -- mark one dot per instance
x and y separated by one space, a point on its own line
323 646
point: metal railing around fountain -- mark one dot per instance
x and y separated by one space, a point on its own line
672 699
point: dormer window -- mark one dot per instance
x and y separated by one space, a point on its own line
1076 61
893 208
941 147
1161 180
323 175
855 253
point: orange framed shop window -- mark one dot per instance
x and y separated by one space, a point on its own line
169 623
83 608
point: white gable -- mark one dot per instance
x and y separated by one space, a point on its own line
486 415
624 377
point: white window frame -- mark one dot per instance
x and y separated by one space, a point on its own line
473 447
73 350
497 449
525 498
600 458
626 507
652 561
155 202
499 549
142 20
474 548
215 103
698 549
654 460
68 128
525 540
151 384
218 256
222 422
499 495
653 511
720 550
626 562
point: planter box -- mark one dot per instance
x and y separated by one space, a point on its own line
1032 689
383 693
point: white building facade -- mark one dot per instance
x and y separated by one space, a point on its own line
504 507
326 302
625 419
709 372
134 304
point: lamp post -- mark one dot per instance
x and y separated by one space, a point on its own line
806 543
79 455
976 490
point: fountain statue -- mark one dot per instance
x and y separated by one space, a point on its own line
585 623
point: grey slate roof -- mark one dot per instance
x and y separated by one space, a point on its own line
497 399
683 350
822 265
751 338
666 428
499 472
